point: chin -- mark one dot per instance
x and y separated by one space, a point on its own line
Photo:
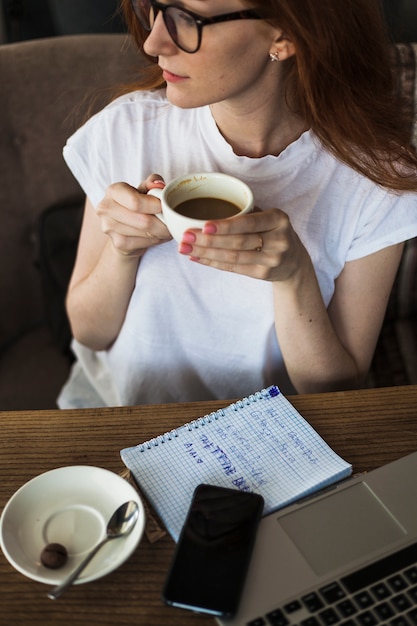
184 101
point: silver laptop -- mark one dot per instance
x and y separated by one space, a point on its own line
346 556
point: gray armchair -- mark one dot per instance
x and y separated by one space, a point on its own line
48 87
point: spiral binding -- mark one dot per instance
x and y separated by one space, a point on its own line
254 397
209 418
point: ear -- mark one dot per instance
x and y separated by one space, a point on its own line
282 48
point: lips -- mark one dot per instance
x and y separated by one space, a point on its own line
169 77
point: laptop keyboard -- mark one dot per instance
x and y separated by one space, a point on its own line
384 592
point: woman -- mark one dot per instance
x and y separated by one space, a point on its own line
296 101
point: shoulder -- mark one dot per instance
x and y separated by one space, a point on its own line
360 191
135 114
137 100
134 106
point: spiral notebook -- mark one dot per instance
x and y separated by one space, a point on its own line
260 443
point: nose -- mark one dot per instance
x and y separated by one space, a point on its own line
159 41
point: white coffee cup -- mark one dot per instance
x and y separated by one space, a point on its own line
220 191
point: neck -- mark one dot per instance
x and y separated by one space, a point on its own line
257 131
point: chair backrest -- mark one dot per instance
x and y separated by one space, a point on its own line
46 87
403 300
404 60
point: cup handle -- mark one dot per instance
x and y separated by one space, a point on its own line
157 192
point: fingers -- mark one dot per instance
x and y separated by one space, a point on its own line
127 216
254 222
127 197
241 242
255 232
153 181
263 245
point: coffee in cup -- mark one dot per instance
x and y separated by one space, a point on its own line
191 200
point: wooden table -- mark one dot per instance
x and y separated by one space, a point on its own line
368 428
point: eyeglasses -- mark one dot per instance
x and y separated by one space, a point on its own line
184 27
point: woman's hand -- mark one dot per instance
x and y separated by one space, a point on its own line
127 217
323 349
262 245
113 237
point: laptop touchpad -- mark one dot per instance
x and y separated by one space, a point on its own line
342 527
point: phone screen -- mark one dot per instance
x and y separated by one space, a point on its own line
213 552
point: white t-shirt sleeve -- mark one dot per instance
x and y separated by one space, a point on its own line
391 219
112 145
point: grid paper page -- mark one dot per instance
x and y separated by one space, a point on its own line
259 444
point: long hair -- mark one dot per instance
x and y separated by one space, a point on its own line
339 81
151 77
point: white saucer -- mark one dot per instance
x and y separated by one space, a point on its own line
71 506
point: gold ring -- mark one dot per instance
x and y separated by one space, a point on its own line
261 244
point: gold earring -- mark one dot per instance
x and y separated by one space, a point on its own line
274 56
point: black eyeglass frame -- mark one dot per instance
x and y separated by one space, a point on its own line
200 21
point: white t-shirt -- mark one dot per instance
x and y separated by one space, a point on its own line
193 332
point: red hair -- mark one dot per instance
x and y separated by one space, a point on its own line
151 78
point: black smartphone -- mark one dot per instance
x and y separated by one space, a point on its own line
213 552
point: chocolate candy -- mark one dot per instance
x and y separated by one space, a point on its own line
54 555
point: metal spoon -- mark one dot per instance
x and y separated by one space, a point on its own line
121 523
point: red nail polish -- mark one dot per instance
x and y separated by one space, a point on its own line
209 229
188 237
185 248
